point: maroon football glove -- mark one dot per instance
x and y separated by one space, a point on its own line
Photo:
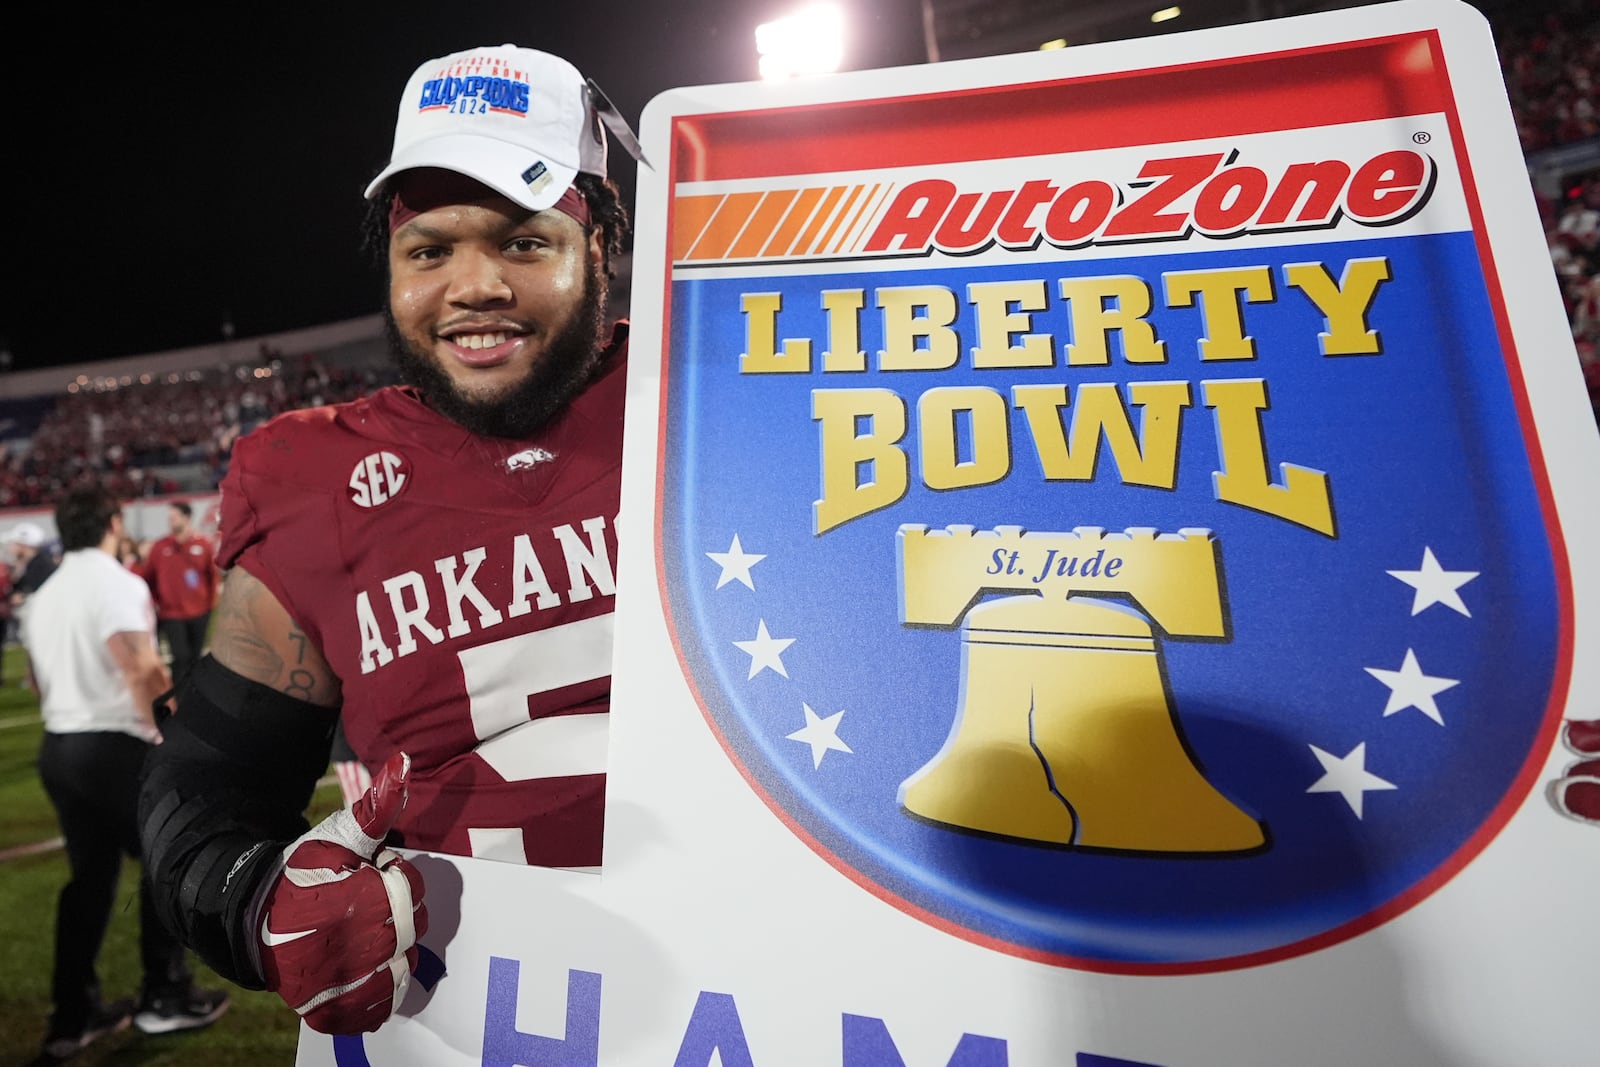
338 928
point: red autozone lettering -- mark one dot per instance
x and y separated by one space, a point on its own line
1213 194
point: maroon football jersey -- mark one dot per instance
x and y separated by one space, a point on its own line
462 589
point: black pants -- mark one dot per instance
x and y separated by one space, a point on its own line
185 638
93 781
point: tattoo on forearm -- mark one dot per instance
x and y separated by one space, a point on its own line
235 640
253 658
300 684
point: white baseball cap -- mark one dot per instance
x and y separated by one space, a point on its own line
26 533
521 122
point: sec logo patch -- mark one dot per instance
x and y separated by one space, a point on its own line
378 478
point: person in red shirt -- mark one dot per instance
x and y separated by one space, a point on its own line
181 569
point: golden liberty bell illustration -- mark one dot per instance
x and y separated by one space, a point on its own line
1066 732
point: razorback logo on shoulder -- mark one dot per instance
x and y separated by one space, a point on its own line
528 459
378 478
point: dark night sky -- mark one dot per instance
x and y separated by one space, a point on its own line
167 170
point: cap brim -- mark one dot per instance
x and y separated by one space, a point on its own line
495 163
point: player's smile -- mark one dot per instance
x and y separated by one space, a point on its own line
483 345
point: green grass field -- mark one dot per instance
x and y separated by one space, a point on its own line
257 1030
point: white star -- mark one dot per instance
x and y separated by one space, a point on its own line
1347 776
765 651
1410 688
735 564
1435 585
820 734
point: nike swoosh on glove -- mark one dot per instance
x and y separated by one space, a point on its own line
337 930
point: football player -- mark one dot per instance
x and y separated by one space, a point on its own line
432 563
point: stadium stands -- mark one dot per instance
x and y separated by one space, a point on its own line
164 434
1550 57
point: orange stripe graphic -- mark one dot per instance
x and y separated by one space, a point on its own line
689 217
777 224
725 225
855 194
849 236
766 219
807 239
783 239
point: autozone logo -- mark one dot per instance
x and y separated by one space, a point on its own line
1169 198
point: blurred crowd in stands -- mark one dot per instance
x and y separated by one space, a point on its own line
174 435
170 435
1550 59
1550 56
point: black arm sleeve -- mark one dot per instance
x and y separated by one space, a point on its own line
223 793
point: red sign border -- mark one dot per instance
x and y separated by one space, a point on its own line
693 133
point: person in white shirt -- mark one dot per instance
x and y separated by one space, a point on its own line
89 632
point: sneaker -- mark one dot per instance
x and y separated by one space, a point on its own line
107 1019
189 1010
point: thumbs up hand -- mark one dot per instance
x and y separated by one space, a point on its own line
338 928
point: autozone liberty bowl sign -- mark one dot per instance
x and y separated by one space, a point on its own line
1126 553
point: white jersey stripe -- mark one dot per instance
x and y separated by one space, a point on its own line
500 675
497 843
553 747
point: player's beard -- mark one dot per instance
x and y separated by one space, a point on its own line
558 375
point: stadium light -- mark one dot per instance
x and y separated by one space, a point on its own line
810 41
1166 13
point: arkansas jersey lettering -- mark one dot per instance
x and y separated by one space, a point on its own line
417 607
